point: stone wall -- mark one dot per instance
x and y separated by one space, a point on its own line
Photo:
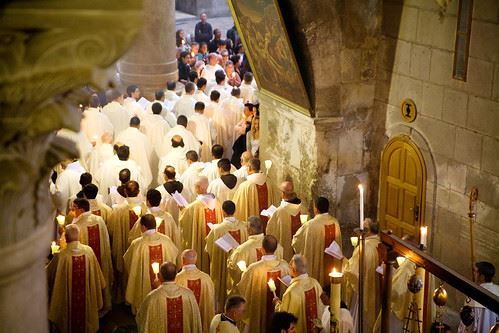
213 8
457 127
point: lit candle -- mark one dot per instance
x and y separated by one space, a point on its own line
400 260
268 164
354 240
335 299
158 221
272 286
137 210
61 219
424 236
55 248
361 206
242 265
303 218
155 267
192 54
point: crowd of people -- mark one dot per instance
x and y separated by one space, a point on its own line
169 210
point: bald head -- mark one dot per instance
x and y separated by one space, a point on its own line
189 257
168 271
132 189
72 232
201 185
255 225
286 189
245 157
177 141
269 244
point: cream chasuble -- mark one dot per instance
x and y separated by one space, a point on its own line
203 129
168 204
284 224
204 291
253 286
221 191
151 247
170 309
302 299
218 257
211 170
108 174
231 110
93 232
311 240
250 251
117 115
100 209
194 227
120 222
77 294
189 177
222 326
190 141
254 195
164 225
371 280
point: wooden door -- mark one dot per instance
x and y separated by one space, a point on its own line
402 187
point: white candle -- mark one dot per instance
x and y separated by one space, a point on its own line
303 218
335 274
242 265
272 286
137 210
400 260
155 267
158 221
354 240
424 236
361 206
55 248
60 219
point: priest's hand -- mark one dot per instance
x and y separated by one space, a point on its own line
156 283
276 301
324 298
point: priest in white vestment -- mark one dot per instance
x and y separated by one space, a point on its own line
185 105
155 127
130 103
82 144
140 149
231 110
248 91
94 123
190 141
170 93
211 68
168 188
102 152
200 94
203 129
118 115
175 158
67 183
193 171
211 169
226 185
221 86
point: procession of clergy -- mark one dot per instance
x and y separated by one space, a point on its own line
155 215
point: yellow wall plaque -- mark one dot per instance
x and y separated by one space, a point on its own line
408 110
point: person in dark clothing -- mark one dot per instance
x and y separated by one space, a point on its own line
203 30
213 45
183 68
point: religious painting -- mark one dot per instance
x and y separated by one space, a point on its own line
269 51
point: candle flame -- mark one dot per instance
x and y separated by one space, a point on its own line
361 188
303 218
155 267
137 210
242 265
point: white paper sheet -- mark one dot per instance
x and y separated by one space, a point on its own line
285 280
227 242
334 250
144 103
269 211
379 269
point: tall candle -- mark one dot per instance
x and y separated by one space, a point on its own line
335 297
361 206
424 236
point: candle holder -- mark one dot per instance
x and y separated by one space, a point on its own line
361 233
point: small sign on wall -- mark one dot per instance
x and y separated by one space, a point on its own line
408 110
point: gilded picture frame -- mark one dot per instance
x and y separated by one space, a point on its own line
267 46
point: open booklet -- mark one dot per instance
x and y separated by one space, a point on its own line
209 201
227 242
334 250
269 211
179 199
285 280
144 103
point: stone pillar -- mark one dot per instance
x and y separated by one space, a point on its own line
151 61
44 54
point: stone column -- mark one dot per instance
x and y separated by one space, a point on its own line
151 61
48 49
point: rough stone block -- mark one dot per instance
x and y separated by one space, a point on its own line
402 58
350 65
455 107
442 169
479 79
490 156
484 42
457 176
350 152
440 136
420 62
357 95
408 24
442 199
441 67
483 116
485 10
433 96
458 203
488 186
487 216
437 32
468 147
495 91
